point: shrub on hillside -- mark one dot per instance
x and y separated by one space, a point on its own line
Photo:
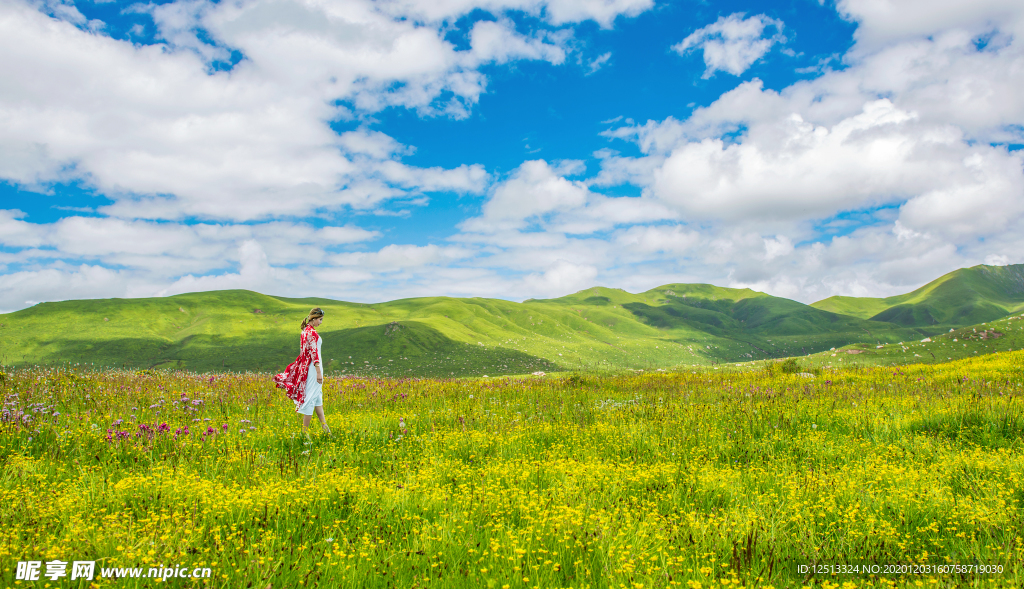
790 366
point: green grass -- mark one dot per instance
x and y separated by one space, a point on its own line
963 297
995 337
655 480
596 330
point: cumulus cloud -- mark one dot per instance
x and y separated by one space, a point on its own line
179 23
25 288
780 245
732 43
539 194
14 232
254 273
396 257
163 249
865 181
562 277
646 240
154 128
882 22
533 189
499 42
905 146
793 169
807 153
556 12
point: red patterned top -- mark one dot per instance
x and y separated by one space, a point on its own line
293 379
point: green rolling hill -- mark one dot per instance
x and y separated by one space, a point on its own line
992 337
672 326
963 297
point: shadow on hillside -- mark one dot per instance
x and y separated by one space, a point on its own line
926 314
395 349
765 327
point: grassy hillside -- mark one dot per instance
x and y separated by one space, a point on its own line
994 337
721 325
963 297
242 330
596 329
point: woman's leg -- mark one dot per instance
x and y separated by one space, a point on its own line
305 422
319 409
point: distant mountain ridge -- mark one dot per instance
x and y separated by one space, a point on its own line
963 297
675 325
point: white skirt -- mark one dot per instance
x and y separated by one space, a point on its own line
314 394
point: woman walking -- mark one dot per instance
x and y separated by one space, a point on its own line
304 378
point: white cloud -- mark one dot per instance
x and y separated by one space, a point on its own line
373 144
775 190
17 233
534 189
164 136
786 168
906 126
179 23
167 138
537 193
991 202
732 43
780 245
561 278
793 168
168 249
646 240
617 170
499 42
556 12
598 62
254 273
395 257
883 22
62 10
26 288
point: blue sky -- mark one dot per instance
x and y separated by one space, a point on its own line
368 151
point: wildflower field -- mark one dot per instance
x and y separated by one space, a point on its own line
697 479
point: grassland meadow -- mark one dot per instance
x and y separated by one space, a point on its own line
698 479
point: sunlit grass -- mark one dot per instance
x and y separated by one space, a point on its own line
652 480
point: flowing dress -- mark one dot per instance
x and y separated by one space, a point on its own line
299 379
314 393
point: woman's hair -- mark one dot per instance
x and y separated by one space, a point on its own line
313 314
